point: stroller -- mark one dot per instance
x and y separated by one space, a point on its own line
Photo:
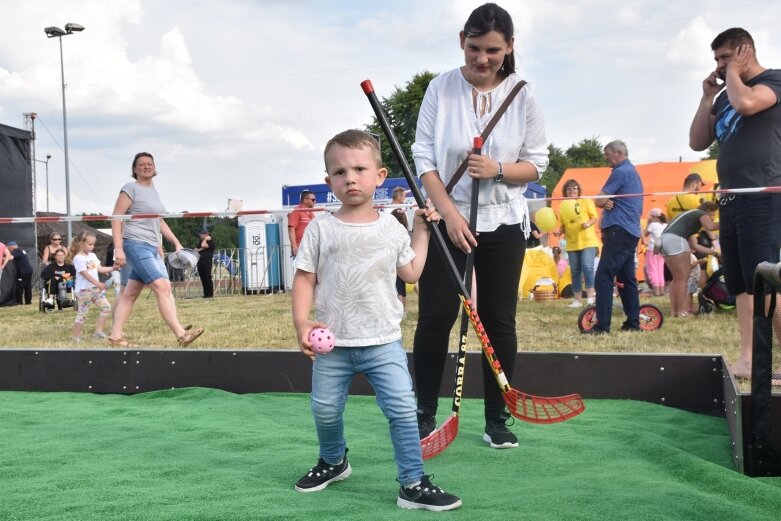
63 298
714 295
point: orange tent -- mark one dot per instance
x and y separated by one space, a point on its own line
657 177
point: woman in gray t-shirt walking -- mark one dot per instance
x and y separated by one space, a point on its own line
137 243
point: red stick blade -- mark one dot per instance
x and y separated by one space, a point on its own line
543 409
435 443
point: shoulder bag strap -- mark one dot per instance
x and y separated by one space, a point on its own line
491 124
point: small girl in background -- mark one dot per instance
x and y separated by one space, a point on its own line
561 262
89 289
693 284
654 260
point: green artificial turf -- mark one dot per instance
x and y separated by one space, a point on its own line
204 454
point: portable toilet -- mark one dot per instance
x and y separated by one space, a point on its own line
259 254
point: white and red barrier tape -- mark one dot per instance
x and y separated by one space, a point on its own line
756 190
191 215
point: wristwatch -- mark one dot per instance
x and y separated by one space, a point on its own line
499 176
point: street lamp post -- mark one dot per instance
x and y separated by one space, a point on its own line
48 156
52 32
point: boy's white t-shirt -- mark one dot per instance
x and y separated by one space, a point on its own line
89 263
356 266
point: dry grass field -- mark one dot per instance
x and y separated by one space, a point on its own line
264 322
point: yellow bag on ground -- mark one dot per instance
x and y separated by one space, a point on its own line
537 264
565 281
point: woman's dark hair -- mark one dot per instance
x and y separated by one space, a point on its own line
709 206
567 184
662 218
490 17
135 160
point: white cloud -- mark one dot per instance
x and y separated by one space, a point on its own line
237 98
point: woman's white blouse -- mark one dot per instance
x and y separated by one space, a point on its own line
447 125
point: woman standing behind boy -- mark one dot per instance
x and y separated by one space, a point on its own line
457 106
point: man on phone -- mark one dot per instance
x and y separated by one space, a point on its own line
745 118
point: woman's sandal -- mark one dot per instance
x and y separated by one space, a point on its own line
119 342
189 336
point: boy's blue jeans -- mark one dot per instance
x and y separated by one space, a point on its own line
385 366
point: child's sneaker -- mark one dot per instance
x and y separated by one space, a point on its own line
426 496
323 474
76 339
99 335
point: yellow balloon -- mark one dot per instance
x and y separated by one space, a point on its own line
546 219
569 210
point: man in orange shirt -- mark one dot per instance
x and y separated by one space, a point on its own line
297 221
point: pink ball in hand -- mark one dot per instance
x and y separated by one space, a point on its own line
322 340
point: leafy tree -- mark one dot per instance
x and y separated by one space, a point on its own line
402 108
224 231
713 151
97 224
559 162
587 153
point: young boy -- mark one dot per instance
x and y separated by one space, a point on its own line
347 264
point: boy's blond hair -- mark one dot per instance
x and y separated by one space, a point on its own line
354 139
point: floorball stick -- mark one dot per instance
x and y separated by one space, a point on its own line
526 407
441 438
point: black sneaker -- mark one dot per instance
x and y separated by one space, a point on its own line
497 435
426 423
426 496
322 474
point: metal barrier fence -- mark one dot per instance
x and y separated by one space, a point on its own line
235 271
239 271
764 454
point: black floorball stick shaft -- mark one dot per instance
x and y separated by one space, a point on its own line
468 273
368 89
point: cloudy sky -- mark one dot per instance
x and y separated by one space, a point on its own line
236 98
